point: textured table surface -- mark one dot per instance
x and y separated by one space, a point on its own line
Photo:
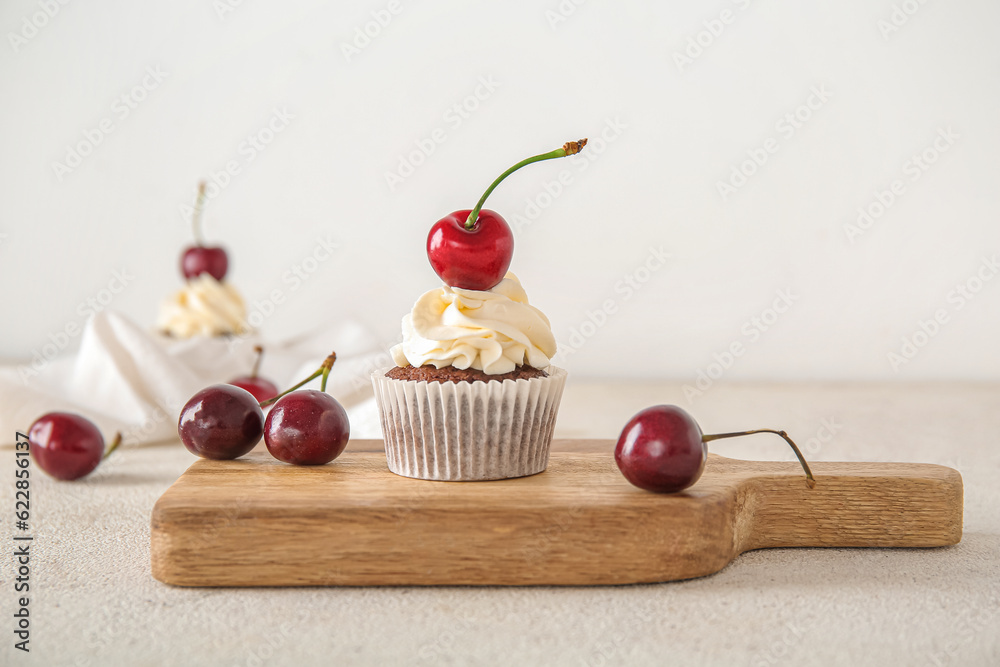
95 603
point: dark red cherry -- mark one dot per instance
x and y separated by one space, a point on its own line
66 446
262 389
476 258
198 259
306 427
661 449
221 422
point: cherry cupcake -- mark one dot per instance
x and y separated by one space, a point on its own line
473 395
207 305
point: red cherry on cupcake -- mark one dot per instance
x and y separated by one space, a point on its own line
261 388
662 449
221 422
67 446
476 258
199 258
472 249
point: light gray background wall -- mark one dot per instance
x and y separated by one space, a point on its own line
682 94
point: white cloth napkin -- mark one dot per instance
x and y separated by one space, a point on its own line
127 379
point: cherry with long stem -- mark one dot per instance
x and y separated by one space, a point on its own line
199 258
663 449
472 248
323 371
810 480
569 148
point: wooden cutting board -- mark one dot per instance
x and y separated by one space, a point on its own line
258 522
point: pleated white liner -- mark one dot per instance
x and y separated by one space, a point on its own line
468 431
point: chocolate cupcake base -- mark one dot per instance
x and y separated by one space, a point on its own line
454 430
452 374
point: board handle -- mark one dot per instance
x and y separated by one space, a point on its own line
853 505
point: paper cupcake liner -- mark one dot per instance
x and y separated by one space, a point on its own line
467 431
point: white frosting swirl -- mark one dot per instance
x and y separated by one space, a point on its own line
493 331
203 307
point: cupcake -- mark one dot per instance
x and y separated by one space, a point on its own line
473 395
207 305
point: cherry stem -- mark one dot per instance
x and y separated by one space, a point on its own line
113 446
569 148
256 364
199 203
323 370
326 374
810 480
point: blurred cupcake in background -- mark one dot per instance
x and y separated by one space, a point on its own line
207 305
